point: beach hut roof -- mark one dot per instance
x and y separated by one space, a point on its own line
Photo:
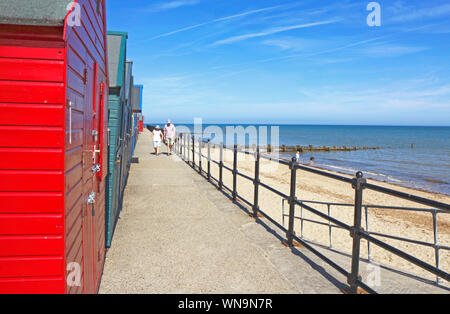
34 12
128 80
136 98
117 43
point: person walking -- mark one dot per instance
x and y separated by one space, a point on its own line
157 138
169 135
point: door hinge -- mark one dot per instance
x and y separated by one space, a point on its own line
83 162
85 76
69 104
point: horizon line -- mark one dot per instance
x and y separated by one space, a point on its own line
306 124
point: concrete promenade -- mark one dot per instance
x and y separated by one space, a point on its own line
178 234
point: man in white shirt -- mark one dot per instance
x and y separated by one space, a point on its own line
169 135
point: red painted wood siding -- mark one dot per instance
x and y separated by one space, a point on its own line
31 160
86 51
46 154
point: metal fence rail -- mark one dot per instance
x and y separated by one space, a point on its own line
435 245
186 148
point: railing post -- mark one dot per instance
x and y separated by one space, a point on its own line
301 220
200 155
175 145
209 160
355 232
256 184
234 194
181 146
186 149
329 226
221 167
193 151
436 244
292 200
369 251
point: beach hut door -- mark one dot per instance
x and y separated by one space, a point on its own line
90 197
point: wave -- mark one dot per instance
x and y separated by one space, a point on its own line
372 174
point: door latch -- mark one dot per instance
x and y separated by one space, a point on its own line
96 168
91 201
91 198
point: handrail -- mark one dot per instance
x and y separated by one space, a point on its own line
433 212
409 197
186 148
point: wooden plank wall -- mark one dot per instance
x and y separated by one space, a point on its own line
31 160
85 226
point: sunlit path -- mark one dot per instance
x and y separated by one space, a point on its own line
178 234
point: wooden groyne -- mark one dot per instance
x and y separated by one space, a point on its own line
307 149
310 148
297 148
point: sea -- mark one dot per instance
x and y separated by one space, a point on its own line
410 156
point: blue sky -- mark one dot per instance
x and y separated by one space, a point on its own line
289 62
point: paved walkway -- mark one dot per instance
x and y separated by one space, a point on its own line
178 234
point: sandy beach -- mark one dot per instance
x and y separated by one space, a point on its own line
313 187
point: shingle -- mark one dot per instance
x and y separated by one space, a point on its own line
34 12
128 79
116 57
136 98
114 43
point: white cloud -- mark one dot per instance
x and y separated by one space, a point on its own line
226 18
405 94
344 47
269 32
298 44
335 60
440 30
387 50
164 6
415 14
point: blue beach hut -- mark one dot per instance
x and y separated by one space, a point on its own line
117 42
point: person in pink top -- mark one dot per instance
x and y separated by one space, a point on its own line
169 135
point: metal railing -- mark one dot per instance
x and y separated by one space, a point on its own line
185 147
434 212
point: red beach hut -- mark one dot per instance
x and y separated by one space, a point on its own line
53 116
